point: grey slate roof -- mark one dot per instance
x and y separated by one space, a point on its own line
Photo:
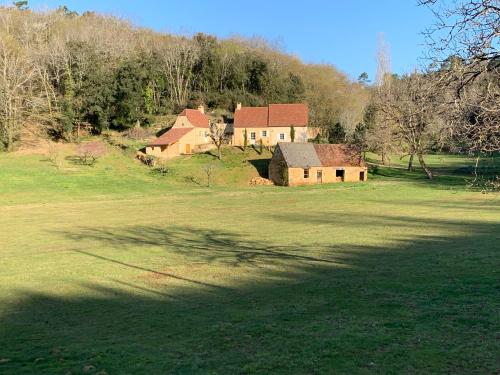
305 155
299 155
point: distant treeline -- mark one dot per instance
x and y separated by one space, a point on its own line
61 70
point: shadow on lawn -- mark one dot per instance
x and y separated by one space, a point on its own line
441 180
427 304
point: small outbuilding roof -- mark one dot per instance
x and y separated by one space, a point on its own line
299 155
306 155
170 137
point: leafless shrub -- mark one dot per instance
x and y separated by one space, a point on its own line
209 170
55 156
89 152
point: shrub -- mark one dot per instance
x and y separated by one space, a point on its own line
54 155
89 152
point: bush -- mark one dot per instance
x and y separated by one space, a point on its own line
89 152
55 156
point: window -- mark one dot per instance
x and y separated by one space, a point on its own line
282 136
306 173
264 133
252 136
202 134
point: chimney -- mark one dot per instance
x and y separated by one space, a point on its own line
238 106
201 109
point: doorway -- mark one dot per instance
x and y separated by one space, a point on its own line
339 174
188 148
319 177
362 176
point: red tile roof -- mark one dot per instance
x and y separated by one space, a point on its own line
274 115
196 118
288 114
248 117
339 155
170 137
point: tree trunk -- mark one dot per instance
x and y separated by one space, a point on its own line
219 153
384 161
428 172
410 162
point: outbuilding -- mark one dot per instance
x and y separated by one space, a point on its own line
309 163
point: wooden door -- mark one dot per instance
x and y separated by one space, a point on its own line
188 148
319 177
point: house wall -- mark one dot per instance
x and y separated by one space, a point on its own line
272 137
277 168
164 151
199 136
351 174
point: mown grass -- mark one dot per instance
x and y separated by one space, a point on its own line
118 270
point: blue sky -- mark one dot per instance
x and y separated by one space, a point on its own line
340 32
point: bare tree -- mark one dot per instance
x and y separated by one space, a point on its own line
16 74
464 41
466 28
409 104
219 136
209 170
383 60
179 58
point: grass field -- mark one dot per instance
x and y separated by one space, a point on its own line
114 269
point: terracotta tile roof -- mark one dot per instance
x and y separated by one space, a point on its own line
305 155
288 114
273 115
339 155
251 117
170 137
196 118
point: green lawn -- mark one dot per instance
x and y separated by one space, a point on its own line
115 269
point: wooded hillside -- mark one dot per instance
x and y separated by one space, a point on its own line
61 70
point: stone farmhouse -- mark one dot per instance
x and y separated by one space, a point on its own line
308 163
189 134
271 124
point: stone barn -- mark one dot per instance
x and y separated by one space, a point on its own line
308 163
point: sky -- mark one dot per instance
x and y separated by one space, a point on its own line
339 32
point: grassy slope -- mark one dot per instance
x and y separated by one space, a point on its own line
129 272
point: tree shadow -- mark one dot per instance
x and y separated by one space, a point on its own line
442 179
425 304
261 165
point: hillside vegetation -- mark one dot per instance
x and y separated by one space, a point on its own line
67 72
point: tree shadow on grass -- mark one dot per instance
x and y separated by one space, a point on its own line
442 180
425 304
